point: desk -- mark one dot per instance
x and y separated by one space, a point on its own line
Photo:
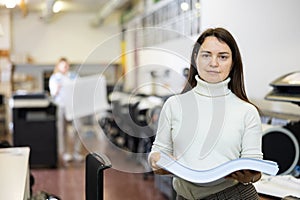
14 173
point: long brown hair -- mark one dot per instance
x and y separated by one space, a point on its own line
236 84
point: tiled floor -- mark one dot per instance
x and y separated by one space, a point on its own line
66 183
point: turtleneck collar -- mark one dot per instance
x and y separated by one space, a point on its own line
212 89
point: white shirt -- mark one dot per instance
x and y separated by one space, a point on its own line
56 82
206 127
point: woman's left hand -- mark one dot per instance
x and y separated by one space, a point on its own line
245 176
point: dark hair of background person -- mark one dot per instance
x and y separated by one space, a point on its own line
236 84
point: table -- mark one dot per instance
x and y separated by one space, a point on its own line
14 173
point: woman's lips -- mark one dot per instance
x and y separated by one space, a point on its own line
213 72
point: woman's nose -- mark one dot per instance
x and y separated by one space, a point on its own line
214 61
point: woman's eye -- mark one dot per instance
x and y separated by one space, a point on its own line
223 57
205 55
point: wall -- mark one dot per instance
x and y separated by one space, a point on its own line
167 59
5 38
268 35
69 35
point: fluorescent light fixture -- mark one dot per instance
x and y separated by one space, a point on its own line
184 6
57 7
11 3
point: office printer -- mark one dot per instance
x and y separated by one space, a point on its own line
286 88
28 100
281 142
34 125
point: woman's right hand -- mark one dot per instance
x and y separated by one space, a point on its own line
154 157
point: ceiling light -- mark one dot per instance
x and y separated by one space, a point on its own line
11 3
57 7
184 6
197 5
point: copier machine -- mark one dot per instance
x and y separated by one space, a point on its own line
34 125
281 143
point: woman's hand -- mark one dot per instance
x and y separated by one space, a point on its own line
154 157
245 176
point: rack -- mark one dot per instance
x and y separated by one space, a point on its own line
167 20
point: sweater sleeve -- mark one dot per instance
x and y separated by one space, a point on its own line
252 138
53 86
163 139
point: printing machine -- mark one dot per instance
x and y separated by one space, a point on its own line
34 125
286 88
281 143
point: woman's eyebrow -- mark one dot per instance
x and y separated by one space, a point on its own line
225 52
204 51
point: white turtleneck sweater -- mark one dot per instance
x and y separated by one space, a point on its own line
204 128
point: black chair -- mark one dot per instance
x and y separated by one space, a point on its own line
95 165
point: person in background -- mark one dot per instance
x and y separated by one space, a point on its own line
211 122
60 76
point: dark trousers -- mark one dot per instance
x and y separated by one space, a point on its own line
236 192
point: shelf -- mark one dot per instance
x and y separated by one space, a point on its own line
166 21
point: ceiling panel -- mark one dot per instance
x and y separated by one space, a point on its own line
69 5
83 5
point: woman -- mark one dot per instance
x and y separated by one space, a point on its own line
212 121
61 75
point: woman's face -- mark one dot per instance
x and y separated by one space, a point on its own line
214 60
63 67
